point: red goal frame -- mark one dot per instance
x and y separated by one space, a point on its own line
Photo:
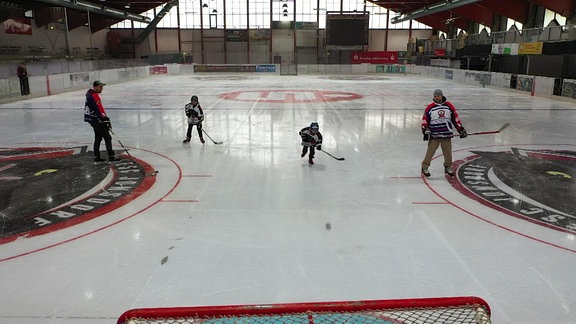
417 304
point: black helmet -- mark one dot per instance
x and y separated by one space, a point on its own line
314 125
194 97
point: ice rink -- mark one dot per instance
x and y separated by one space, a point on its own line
249 221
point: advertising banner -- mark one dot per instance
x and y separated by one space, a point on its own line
224 68
389 57
159 69
440 52
505 49
530 48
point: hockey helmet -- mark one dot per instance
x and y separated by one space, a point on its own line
314 126
194 97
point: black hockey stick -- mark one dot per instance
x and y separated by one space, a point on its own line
213 141
491 132
125 149
332 156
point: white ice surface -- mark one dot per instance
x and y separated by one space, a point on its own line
244 222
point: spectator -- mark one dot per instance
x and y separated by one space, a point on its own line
22 72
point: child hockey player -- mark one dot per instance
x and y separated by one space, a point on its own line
195 117
311 138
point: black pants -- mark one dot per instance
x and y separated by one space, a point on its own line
24 86
101 132
312 151
198 128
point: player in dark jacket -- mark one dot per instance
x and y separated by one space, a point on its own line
95 115
311 139
22 73
195 116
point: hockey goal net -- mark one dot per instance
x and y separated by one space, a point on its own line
421 311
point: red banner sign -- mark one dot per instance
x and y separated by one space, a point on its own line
159 69
440 52
375 57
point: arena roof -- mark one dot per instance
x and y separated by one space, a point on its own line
436 14
460 13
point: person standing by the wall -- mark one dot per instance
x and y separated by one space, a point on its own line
22 72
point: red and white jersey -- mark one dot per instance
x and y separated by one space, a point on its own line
441 119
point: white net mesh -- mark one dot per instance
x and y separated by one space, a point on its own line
474 312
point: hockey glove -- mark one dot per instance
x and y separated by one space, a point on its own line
319 147
463 133
106 122
427 134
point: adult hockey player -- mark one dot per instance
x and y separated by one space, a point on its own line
95 115
311 139
195 117
438 123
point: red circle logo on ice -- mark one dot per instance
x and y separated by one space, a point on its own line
45 189
290 96
534 186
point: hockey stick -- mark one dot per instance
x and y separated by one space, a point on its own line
125 149
213 141
332 156
491 132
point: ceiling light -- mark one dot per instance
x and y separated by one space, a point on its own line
205 5
284 6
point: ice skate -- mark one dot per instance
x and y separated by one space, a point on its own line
202 140
186 140
449 171
425 172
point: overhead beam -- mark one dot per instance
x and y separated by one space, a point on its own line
478 14
97 9
152 25
431 9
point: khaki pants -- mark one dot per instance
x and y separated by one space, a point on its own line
445 144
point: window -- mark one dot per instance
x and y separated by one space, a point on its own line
256 14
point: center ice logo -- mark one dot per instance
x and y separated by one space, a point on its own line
535 185
43 189
290 96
